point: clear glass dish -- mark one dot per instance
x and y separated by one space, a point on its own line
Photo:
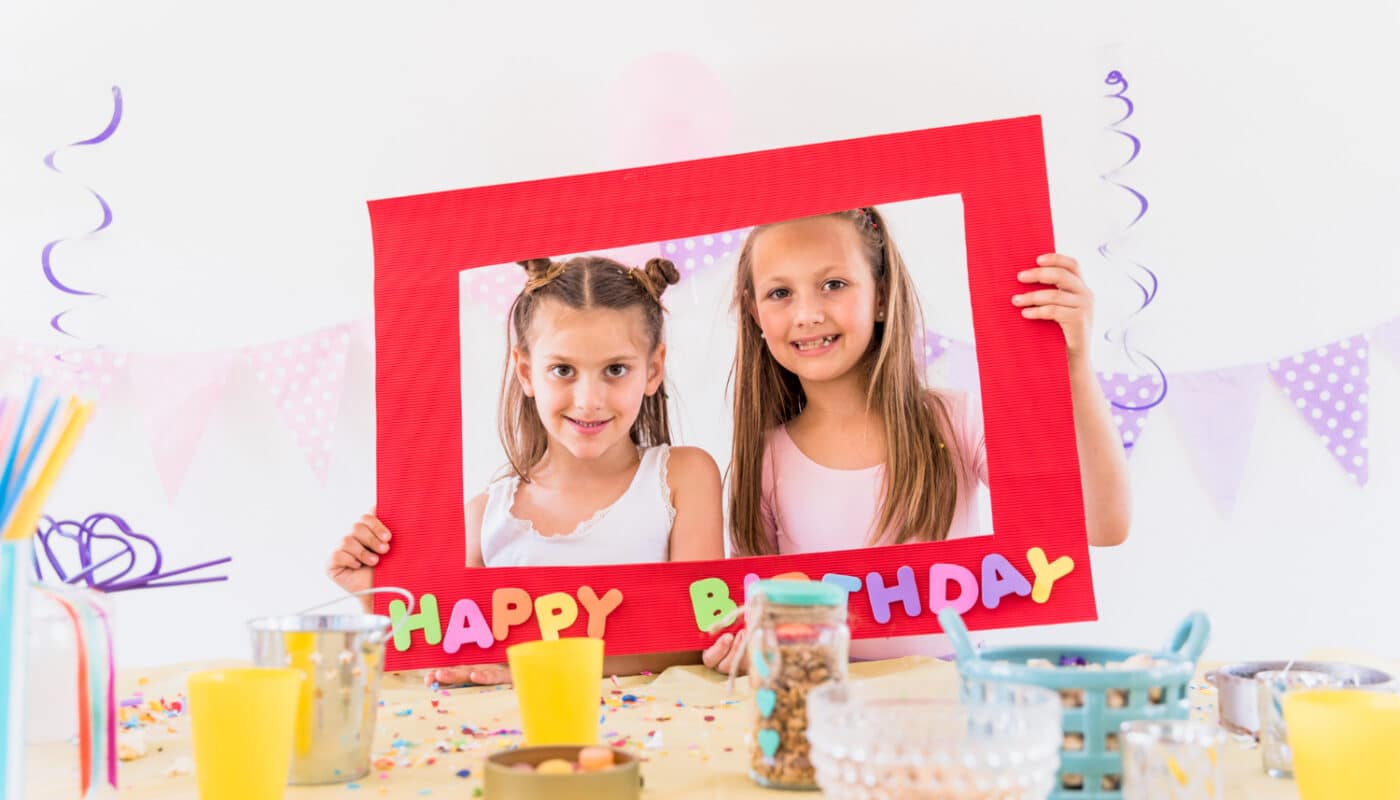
1000 742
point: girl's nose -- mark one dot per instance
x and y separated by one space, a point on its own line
809 310
589 393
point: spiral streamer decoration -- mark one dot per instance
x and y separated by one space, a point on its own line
46 256
1142 277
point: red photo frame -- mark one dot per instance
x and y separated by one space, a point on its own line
423 242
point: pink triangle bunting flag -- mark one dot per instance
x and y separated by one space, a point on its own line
1328 386
177 394
306 376
1387 335
1214 412
91 373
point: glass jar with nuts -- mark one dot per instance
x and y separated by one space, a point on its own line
797 640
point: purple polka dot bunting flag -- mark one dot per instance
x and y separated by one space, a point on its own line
695 253
1328 386
1130 398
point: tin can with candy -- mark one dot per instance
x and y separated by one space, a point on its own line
797 640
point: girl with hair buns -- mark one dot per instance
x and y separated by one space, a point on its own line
592 477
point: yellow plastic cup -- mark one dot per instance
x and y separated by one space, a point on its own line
559 686
1344 743
242 721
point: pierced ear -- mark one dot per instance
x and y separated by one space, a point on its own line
656 369
522 371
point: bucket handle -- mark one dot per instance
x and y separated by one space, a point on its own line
407 595
956 631
1190 638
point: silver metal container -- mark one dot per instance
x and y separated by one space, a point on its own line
1238 694
343 658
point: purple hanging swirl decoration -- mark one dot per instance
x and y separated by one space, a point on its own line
106 543
1142 277
46 256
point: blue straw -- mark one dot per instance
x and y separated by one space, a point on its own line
14 446
8 500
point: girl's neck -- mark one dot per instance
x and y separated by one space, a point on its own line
561 465
844 398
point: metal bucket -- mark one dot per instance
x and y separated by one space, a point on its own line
342 656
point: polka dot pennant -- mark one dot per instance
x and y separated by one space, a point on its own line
91 372
305 377
1328 385
1130 400
696 253
493 289
934 345
950 363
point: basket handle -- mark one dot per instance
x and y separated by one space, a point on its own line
1190 638
956 631
407 595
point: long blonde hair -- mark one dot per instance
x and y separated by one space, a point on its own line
921 481
580 283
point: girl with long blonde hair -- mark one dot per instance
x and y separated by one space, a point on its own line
838 441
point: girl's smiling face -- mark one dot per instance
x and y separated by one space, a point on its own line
588 371
815 296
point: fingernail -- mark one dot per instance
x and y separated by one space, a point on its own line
383 548
1015 299
1041 259
1025 276
1025 312
373 559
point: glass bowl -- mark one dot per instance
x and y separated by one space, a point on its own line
1000 742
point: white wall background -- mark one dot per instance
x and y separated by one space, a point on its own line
254 133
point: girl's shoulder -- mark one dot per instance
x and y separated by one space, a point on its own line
962 414
686 464
961 406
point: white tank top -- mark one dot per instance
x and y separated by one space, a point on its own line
635 528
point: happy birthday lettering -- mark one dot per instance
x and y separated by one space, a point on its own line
714 608
511 609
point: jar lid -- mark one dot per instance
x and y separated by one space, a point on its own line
800 593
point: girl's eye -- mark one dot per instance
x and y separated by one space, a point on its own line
777 294
616 370
833 284
561 371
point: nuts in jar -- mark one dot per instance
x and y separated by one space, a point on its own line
797 640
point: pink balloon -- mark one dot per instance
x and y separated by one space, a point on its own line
669 107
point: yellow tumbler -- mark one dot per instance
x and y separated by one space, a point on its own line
559 687
1344 743
242 721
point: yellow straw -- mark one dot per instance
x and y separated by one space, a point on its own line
31 503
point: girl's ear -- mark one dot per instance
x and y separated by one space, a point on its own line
522 371
656 369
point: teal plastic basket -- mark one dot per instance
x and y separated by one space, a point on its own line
1094 719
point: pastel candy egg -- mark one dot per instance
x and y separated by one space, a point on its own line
555 766
591 759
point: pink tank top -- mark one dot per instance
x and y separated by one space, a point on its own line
807 507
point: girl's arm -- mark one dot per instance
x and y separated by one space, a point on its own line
476 510
698 532
1103 468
